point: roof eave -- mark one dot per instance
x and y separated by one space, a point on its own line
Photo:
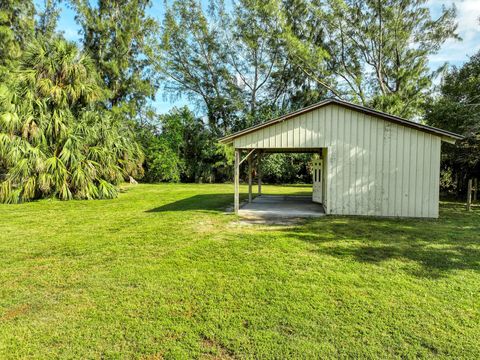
446 136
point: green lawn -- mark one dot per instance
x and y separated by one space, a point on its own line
163 272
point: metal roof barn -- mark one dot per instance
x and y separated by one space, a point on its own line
372 163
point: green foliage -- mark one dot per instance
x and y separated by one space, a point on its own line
194 57
118 36
183 148
286 168
46 24
162 163
16 29
55 138
457 109
377 50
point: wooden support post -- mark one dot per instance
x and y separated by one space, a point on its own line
475 189
259 173
250 179
469 195
236 180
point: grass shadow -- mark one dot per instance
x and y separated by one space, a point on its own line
203 202
435 246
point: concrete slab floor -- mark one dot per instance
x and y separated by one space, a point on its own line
281 206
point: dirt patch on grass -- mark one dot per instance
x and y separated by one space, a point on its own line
216 350
15 312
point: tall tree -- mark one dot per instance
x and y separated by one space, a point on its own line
194 61
56 139
16 30
254 46
47 18
232 58
379 50
118 35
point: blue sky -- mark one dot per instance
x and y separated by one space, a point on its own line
454 52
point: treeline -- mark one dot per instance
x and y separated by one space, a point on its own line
76 119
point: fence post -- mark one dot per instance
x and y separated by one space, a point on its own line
469 195
475 189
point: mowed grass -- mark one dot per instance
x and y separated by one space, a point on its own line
163 272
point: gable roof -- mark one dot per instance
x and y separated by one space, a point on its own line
444 134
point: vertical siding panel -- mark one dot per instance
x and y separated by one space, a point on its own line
320 118
330 128
278 135
323 128
275 136
314 135
390 195
316 118
379 175
410 163
341 160
241 141
405 170
415 182
386 166
268 141
363 165
336 113
371 165
431 177
411 171
308 129
356 158
418 178
333 159
304 129
400 178
425 175
422 160
347 165
284 134
366 163
272 136
354 161
434 176
429 174
261 138
296 123
374 153
291 134
295 130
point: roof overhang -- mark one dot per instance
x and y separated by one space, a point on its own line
445 135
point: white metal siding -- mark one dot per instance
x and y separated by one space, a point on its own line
373 167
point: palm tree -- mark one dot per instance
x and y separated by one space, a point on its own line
56 136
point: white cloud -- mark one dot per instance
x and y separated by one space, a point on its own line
454 51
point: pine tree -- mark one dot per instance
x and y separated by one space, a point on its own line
118 35
16 30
